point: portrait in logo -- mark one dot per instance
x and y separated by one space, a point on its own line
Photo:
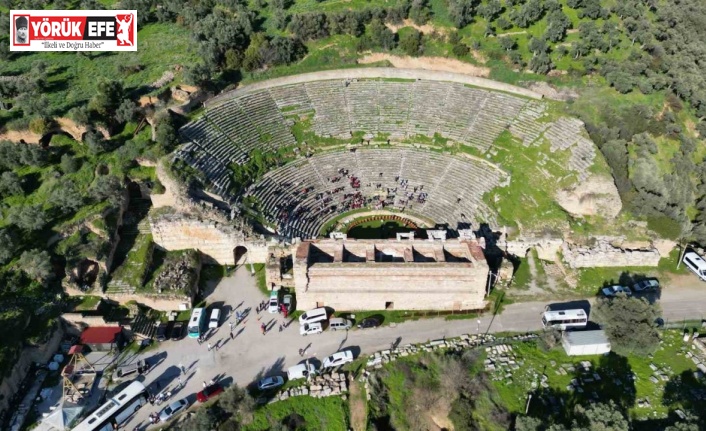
125 29
21 30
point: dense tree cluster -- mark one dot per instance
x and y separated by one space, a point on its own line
630 324
645 190
593 417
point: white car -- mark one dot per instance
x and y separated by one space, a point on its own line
301 371
311 328
273 305
270 383
611 291
337 359
173 409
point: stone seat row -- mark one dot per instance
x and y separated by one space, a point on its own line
455 111
444 178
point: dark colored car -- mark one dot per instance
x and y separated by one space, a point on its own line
209 392
177 331
646 285
369 322
161 333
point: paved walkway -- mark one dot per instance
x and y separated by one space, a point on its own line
374 72
252 355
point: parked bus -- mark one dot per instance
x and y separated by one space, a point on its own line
117 410
196 323
564 319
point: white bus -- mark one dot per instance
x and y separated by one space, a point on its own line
117 410
564 319
196 323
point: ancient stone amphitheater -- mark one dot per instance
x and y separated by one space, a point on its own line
395 104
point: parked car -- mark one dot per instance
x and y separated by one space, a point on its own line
130 371
288 302
646 285
316 315
215 319
337 359
611 291
173 409
337 323
161 333
270 383
209 392
273 305
301 371
369 322
311 328
177 331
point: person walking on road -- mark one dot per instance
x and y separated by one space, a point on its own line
209 347
301 352
182 368
230 325
232 337
263 328
204 384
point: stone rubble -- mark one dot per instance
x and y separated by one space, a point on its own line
324 385
180 275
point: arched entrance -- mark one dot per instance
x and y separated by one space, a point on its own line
239 255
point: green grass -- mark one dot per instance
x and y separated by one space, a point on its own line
138 261
328 413
75 77
88 302
530 195
537 361
389 316
261 276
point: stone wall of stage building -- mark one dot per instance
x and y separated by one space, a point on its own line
372 285
547 248
599 251
215 240
610 251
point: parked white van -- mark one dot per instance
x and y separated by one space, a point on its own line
301 371
312 316
696 264
215 319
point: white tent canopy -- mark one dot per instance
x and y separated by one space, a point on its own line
585 342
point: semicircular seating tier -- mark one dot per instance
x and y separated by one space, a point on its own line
300 197
261 116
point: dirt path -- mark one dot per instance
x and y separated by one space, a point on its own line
358 408
425 29
533 270
23 135
439 64
512 33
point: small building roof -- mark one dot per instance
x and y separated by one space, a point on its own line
76 348
585 338
100 334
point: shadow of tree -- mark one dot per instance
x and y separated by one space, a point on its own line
610 378
276 369
687 392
